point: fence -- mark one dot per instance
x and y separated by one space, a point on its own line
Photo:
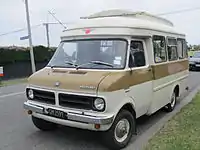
20 69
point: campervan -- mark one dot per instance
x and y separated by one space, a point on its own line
109 69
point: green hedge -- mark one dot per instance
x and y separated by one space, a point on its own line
41 54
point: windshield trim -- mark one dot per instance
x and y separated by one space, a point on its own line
95 68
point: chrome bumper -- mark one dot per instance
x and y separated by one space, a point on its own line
102 120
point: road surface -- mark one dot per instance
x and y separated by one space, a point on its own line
18 133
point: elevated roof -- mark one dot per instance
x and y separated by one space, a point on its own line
130 14
124 19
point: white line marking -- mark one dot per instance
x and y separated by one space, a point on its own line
12 94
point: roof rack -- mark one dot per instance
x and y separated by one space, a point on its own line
126 13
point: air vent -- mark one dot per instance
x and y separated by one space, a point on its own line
77 72
60 71
76 101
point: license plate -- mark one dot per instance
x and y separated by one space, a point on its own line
57 113
198 65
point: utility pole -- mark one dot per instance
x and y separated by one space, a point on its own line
46 25
47 33
30 37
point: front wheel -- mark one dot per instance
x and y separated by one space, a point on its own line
43 125
119 135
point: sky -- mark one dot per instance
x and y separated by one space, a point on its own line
13 17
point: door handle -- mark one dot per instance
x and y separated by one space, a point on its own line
149 69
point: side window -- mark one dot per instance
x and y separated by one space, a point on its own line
185 50
159 49
182 48
172 49
137 55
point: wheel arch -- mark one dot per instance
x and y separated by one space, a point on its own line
176 89
131 108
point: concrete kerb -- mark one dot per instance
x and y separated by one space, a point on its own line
141 141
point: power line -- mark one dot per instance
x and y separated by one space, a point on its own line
19 30
179 11
54 23
33 27
63 24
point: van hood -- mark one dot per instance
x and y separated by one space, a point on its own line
78 81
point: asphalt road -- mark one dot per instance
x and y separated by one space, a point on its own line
18 133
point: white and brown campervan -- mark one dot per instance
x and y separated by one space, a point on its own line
109 69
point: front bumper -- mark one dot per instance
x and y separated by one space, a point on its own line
73 119
194 65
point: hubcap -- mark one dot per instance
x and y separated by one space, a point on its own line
173 100
122 130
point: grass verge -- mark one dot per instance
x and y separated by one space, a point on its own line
13 82
182 132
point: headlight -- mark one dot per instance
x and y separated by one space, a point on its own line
99 104
30 94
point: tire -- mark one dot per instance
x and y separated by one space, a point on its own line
111 139
43 125
193 69
171 106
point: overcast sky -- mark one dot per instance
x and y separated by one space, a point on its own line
12 16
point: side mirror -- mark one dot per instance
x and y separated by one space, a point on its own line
190 56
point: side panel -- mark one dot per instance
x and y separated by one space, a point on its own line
135 85
142 96
166 77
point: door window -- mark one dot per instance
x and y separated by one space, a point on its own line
137 55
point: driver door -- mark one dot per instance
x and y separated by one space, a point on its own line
141 77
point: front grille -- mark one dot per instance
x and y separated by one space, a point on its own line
44 96
197 62
76 101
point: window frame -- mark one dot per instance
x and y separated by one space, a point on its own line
90 39
167 41
182 48
185 50
166 55
145 54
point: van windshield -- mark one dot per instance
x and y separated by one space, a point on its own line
90 54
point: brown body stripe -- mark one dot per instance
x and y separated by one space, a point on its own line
164 70
123 80
112 81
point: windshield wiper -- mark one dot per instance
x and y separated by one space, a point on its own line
71 63
96 63
55 66
66 62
